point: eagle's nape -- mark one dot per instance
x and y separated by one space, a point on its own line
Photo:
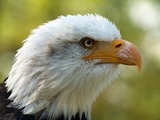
11 113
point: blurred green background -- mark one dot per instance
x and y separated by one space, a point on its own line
132 96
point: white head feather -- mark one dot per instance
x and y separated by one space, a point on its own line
49 72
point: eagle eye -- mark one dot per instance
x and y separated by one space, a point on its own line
87 43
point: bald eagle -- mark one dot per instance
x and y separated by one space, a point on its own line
62 67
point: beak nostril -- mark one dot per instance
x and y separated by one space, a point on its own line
119 45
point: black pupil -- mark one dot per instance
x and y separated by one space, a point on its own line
89 42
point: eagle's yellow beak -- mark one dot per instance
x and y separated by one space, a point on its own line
119 52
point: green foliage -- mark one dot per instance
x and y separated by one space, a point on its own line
133 96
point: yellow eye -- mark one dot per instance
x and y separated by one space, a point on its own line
87 43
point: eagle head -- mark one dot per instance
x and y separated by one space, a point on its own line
64 64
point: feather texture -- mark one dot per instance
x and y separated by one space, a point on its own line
49 73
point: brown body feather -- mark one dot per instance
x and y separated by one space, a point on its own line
10 113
